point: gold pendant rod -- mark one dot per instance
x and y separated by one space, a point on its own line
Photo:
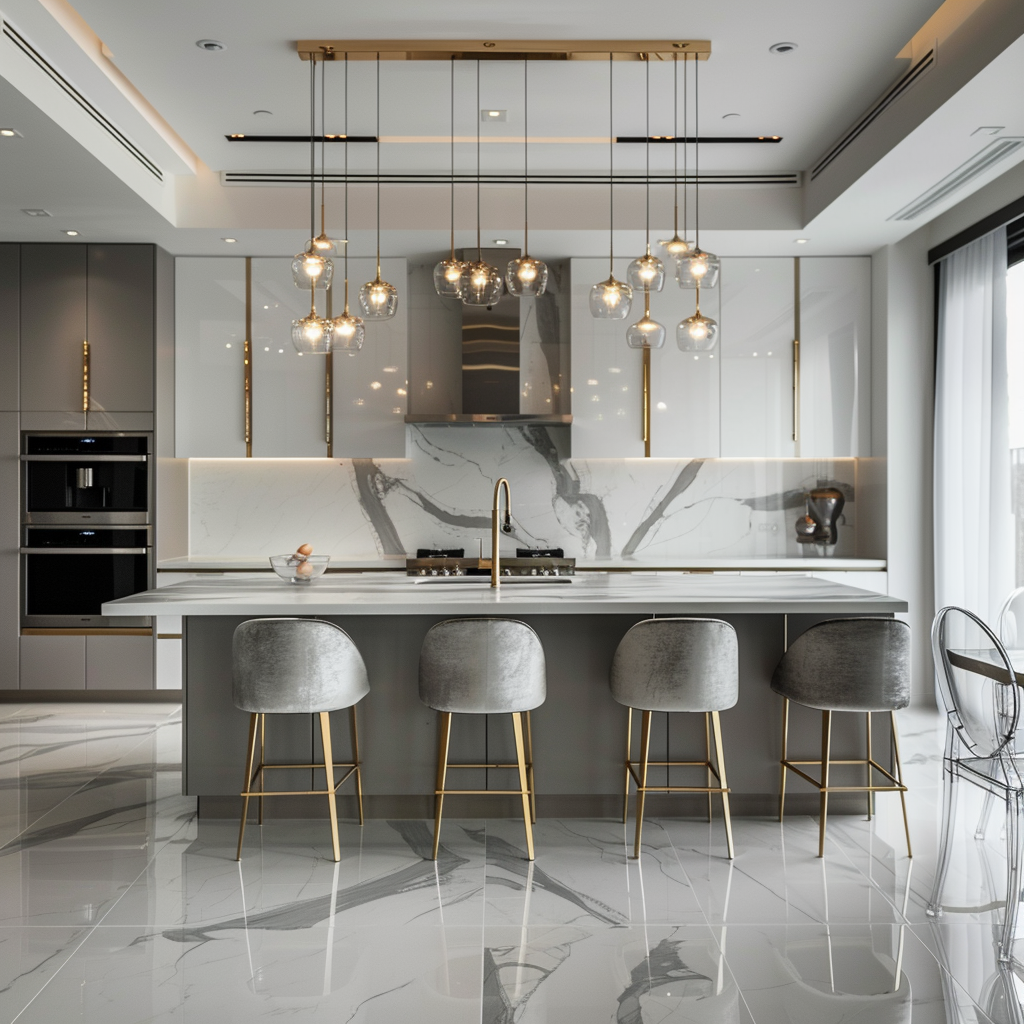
646 402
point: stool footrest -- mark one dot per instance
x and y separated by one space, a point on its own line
895 787
297 792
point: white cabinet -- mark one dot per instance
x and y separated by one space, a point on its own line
289 396
607 377
209 336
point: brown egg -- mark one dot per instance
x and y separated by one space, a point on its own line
305 549
304 569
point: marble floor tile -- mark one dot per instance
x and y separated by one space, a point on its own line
29 958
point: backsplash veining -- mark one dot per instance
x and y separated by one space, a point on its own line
643 509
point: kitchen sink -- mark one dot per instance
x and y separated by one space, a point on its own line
485 581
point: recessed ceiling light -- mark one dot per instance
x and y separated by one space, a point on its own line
210 45
10 133
229 240
37 213
493 115
801 241
782 48
71 232
501 241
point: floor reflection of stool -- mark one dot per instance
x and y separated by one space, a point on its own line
484 667
296 667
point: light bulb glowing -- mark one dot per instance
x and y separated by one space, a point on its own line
378 300
698 269
647 272
481 284
309 268
526 276
697 333
645 333
348 333
448 278
323 245
312 334
675 247
610 300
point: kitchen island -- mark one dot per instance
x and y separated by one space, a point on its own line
579 733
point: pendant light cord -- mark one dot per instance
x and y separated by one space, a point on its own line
526 160
378 166
686 141
696 152
611 165
323 142
452 92
312 146
346 183
648 155
675 142
479 253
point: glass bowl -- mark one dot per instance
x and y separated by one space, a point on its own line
287 567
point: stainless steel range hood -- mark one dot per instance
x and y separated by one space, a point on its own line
492 338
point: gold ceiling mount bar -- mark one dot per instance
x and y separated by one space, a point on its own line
502 49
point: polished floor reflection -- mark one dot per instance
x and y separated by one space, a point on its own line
118 905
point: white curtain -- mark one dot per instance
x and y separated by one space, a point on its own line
974 533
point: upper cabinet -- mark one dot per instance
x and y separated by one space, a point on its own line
296 405
99 295
758 394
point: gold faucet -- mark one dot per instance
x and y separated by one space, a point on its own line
506 526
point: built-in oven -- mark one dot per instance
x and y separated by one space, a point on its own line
67 573
96 478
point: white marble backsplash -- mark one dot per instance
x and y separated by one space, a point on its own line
647 509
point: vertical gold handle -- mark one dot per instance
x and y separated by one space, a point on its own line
247 352
329 380
645 409
85 376
796 348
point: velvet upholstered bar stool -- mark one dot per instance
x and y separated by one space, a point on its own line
669 665
285 666
856 664
485 666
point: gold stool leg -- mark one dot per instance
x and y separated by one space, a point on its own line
355 757
629 740
707 756
720 759
442 771
899 775
249 758
785 755
641 790
325 735
826 753
517 728
529 768
263 759
871 795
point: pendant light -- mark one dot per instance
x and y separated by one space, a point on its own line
647 271
323 244
481 282
311 267
378 299
348 331
312 333
646 333
698 269
675 247
448 273
610 300
526 276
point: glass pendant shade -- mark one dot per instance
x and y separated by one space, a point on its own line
448 278
698 270
610 300
697 333
481 284
348 333
378 300
526 276
322 245
675 247
647 272
312 334
310 268
645 333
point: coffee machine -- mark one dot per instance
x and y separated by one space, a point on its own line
819 525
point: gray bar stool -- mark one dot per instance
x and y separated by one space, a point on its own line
677 665
484 667
286 666
860 664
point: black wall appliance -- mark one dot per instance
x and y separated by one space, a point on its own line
86 527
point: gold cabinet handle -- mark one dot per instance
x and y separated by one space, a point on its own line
327 409
247 353
796 348
85 376
645 403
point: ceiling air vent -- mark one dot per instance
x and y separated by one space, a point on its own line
895 91
978 164
12 34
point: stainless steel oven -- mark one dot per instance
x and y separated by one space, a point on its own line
86 478
86 527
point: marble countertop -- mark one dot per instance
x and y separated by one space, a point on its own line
598 593
250 563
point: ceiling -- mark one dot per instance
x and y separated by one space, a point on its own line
189 100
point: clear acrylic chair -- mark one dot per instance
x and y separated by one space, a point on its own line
982 703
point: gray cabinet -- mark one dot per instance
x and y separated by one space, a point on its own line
102 294
10 275
119 662
53 662
9 558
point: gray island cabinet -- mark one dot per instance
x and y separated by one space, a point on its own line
579 733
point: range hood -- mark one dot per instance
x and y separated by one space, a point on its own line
492 351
